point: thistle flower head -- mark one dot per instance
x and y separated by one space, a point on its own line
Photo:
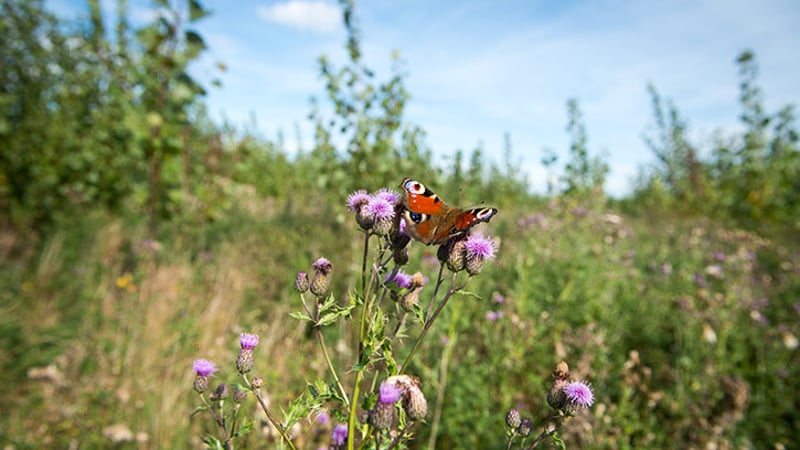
248 341
579 393
357 199
204 367
513 419
389 393
478 246
339 435
388 195
380 209
400 279
322 265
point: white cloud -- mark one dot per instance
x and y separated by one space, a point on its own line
316 16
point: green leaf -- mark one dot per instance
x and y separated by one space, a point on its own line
196 11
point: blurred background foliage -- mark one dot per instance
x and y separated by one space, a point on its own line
136 235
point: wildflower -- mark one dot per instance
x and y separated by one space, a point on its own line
339 435
498 298
478 250
383 213
401 279
319 284
384 413
323 418
301 282
357 199
414 403
203 368
244 363
322 265
579 395
387 195
513 420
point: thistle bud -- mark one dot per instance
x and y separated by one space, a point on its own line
239 396
525 427
456 255
257 382
513 420
319 285
383 415
301 283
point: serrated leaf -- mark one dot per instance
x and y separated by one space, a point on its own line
299 315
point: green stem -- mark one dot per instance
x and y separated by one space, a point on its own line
428 322
351 425
327 357
271 418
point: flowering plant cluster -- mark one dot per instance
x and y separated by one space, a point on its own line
374 402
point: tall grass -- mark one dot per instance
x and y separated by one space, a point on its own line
686 330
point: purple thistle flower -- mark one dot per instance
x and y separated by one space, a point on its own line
248 341
322 265
719 256
339 434
491 316
204 367
357 199
579 393
400 279
323 418
389 393
380 209
478 246
498 298
388 195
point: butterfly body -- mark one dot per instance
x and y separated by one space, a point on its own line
431 221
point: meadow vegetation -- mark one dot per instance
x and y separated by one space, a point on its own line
137 236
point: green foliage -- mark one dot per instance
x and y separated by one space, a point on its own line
583 176
750 179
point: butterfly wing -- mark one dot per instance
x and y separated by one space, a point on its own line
430 221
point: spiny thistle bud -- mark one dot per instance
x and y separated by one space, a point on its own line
556 397
239 396
301 283
513 420
398 236
400 256
221 393
203 369
383 416
525 427
456 255
257 382
244 363
319 285
478 250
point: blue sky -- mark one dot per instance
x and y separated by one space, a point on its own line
479 69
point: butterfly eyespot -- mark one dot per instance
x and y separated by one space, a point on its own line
414 187
415 217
